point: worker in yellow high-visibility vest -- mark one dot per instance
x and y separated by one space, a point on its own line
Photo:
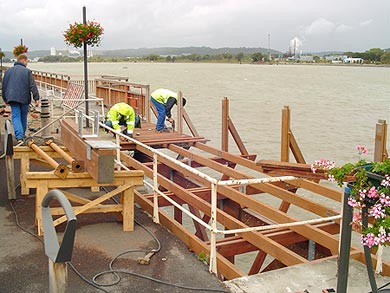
123 114
164 100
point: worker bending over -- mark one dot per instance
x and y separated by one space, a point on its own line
164 100
123 114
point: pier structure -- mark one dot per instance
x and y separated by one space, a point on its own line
226 205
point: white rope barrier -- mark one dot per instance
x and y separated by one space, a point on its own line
275 226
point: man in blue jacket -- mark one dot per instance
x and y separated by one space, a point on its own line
18 85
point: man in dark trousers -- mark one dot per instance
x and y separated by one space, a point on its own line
164 100
18 86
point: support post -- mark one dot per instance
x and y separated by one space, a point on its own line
380 152
180 113
285 137
225 125
58 275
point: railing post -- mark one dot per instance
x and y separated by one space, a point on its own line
156 217
180 113
285 136
380 141
225 125
213 236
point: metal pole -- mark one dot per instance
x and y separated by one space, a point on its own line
367 253
85 70
1 64
345 244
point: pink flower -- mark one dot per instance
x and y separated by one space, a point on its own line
377 211
361 149
372 193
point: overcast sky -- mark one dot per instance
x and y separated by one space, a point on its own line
319 25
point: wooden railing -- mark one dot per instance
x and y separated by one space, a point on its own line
114 91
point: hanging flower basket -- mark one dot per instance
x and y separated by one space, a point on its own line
20 50
370 188
78 33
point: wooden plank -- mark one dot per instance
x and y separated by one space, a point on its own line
128 209
83 179
107 208
318 189
246 161
296 150
42 189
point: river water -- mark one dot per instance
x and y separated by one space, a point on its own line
333 108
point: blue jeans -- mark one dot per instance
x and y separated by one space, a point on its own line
19 119
161 114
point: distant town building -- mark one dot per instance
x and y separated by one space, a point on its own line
53 51
353 60
306 58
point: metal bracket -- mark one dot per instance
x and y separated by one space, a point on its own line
99 144
58 253
95 129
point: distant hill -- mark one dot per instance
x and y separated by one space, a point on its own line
164 51
172 51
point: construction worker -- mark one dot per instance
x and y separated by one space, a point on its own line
164 100
123 114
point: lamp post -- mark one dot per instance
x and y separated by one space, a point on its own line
85 71
1 64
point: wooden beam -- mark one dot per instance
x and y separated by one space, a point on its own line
285 135
100 163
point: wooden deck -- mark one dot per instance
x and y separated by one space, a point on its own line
149 136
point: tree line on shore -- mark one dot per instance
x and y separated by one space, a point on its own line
371 56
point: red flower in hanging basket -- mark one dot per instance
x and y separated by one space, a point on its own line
20 50
78 33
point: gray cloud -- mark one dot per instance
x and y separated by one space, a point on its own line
320 25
